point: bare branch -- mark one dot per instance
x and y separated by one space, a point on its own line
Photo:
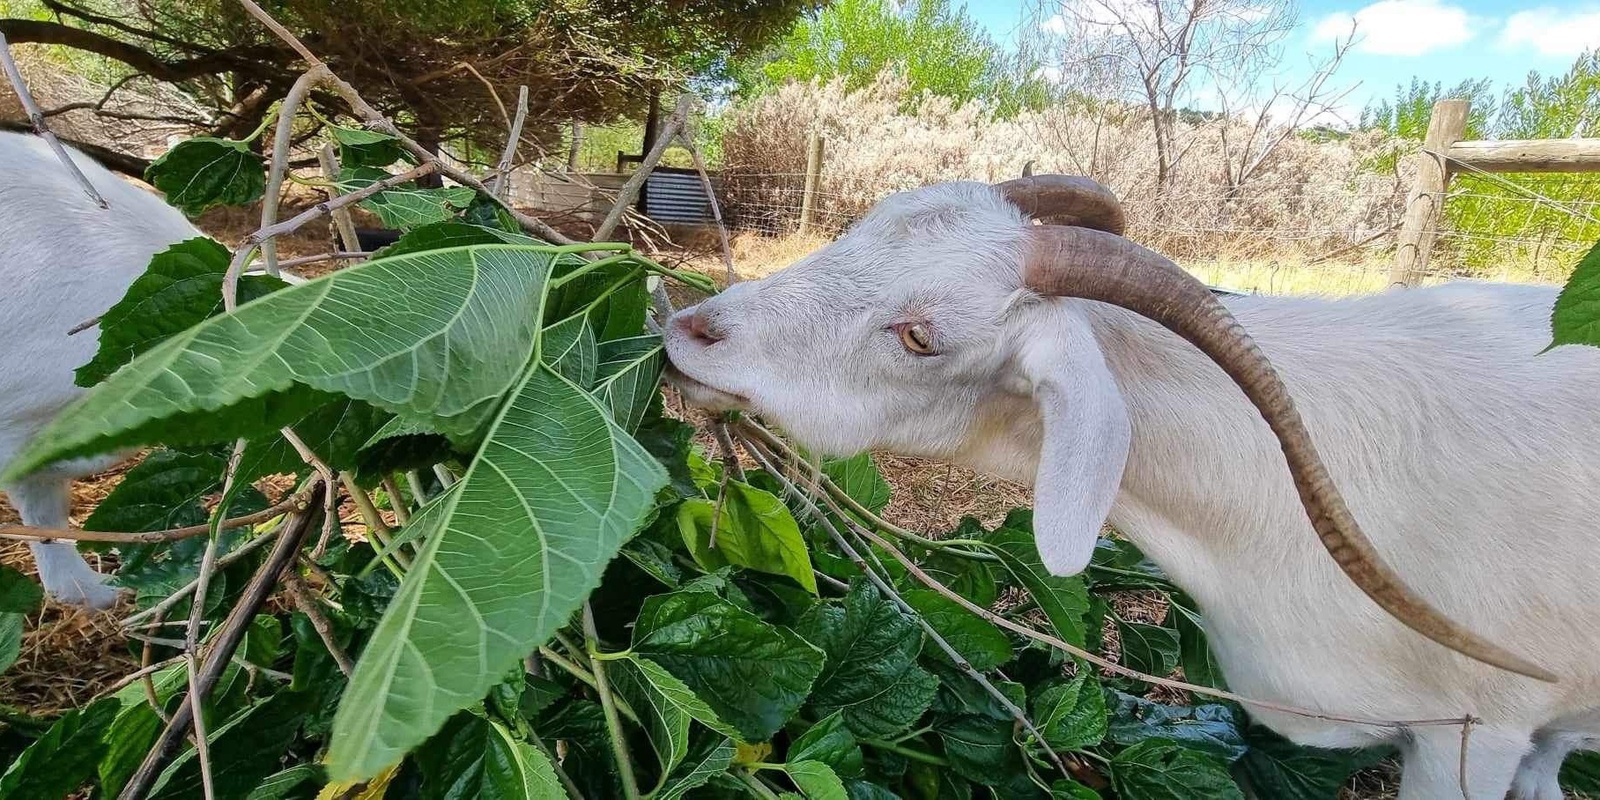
280 157
630 190
500 185
14 75
304 600
294 504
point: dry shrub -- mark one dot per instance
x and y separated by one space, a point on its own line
1308 197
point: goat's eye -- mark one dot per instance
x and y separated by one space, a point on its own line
916 337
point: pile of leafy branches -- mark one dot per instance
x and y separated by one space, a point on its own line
547 589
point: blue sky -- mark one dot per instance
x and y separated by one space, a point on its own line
1437 40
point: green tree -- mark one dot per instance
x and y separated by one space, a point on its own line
936 47
1555 107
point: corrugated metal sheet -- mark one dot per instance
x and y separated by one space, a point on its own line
676 197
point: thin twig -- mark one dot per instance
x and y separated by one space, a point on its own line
280 158
330 517
37 118
294 503
342 221
397 504
619 740
687 137
301 594
220 652
191 649
500 183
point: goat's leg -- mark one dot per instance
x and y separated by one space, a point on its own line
1539 776
42 502
1433 763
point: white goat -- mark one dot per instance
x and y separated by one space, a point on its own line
63 260
1471 460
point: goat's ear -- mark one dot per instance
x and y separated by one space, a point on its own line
1086 440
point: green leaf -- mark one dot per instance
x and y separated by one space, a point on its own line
713 757
181 287
1194 654
202 172
1581 773
64 758
677 694
476 758
755 531
359 147
871 672
1150 649
568 348
1162 770
830 742
19 594
280 785
406 207
627 376
858 476
164 490
982 644
1279 768
1072 790
980 748
656 560
1063 600
1072 716
816 780
751 674
509 552
966 577
244 750
1576 316
1210 728
439 335
11 626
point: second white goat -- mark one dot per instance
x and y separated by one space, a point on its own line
946 325
63 260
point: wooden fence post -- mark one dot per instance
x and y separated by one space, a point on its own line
808 200
1425 204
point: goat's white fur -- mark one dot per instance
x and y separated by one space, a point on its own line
63 260
1470 459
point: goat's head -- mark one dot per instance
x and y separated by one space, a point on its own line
935 318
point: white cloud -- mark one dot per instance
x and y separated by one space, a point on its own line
1553 32
1401 27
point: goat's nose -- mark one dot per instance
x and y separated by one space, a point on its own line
702 328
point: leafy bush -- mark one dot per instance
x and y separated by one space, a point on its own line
578 600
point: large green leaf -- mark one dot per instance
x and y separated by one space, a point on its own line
1064 600
63 758
980 748
202 172
1576 317
982 644
1163 770
751 674
627 376
181 287
438 335
475 758
755 531
1194 653
445 235
677 694
508 553
665 722
871 673
359 147
1071 715
406 206
858 476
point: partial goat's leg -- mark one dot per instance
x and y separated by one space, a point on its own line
1539 776
42 500
1433 763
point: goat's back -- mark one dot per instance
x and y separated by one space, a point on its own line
63 260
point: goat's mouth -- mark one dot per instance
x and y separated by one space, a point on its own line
704 395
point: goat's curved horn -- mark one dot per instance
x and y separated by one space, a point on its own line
1065 200
1092 264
